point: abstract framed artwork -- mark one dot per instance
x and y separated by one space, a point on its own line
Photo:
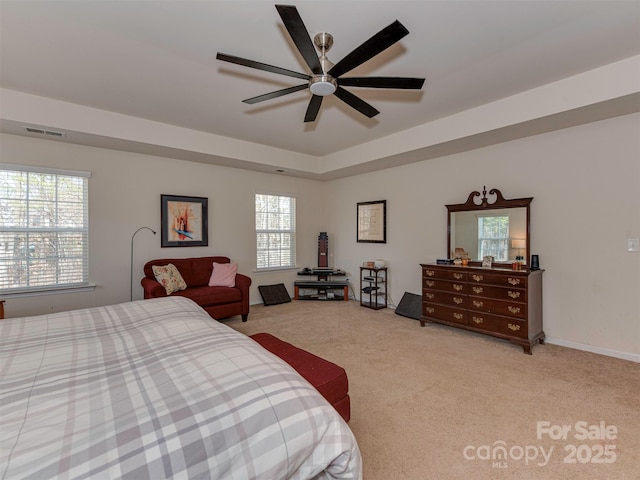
372 222
184 221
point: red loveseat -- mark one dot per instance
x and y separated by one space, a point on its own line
219 302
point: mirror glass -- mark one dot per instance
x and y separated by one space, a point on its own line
489 225
501 233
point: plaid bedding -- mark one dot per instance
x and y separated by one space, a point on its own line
155 389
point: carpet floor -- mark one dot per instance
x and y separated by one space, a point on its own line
441 403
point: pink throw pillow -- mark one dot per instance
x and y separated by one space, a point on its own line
223 275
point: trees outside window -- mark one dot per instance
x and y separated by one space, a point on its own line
44 232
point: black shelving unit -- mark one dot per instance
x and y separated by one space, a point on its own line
373 287
325 287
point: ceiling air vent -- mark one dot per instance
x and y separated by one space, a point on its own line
40 131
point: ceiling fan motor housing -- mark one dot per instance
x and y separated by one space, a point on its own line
323 84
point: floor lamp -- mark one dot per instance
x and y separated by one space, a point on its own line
132 237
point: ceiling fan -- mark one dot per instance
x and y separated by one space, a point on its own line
326 78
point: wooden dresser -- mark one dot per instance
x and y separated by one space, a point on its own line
498 302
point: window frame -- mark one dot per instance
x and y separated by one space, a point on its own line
481 239
83 230
292 232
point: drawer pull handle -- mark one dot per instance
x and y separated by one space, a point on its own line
477 278
430 296
458 300
514 281
457 288
478 289
476 303
429 283
513 309
514 294
459 316
458 276
513 327
430 310
430 273
478 320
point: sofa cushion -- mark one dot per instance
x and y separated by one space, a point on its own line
195 271
199 272
169 277
223 275
207 296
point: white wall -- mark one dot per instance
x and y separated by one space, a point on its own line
584 181
124 194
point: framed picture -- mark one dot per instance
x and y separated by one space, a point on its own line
487 261
184 221
372 222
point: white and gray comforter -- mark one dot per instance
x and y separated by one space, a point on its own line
155 389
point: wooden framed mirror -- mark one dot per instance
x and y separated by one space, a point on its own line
490 225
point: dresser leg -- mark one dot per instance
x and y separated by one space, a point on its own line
526 347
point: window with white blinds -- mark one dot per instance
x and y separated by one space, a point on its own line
493 237
44 229
275 231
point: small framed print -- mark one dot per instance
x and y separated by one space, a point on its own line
372 222
487 261
184 221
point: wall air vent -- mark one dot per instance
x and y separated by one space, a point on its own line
40 131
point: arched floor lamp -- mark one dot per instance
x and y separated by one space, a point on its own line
132 237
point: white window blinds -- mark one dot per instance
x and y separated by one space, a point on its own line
493 237
275 231
44 228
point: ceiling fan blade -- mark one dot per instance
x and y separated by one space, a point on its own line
300 36
313 108
276 94
369 49
261 66
383 82
356 102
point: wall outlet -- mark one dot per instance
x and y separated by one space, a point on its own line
633 245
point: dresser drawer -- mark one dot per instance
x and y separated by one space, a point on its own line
498 307
453 299
518 281
493 323
444 274
444 285
448 314
499 293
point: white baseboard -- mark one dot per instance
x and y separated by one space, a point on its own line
633 357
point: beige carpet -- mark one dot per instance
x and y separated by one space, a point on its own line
435 402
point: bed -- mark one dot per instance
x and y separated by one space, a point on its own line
155 389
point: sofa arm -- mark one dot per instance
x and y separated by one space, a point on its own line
152 288
243 283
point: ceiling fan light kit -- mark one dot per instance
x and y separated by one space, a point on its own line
325 78
322 85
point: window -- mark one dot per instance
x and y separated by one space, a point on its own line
275 231
44 230
493 237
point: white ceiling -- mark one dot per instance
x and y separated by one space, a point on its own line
155 60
